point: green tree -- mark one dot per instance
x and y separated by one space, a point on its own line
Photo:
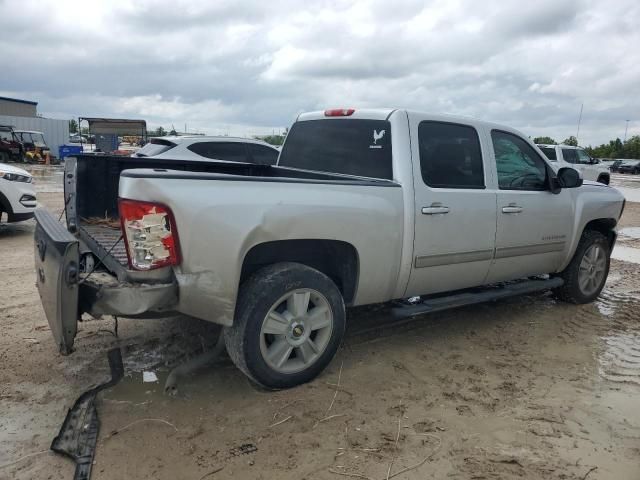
161 132
73 126
545 141
573 141
173 132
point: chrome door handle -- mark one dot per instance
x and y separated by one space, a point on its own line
512 209
435 209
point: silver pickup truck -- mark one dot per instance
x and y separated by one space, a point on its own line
364 206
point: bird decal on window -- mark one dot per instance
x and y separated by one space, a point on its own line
377 136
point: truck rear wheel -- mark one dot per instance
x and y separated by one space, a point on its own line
586 274
289 323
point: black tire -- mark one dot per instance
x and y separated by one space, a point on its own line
604 179
256 297
571 291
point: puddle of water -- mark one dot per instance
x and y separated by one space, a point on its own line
631 194
633 232
626 254
133 389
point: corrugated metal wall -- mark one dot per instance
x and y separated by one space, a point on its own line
56 132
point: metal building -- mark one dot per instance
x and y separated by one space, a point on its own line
56 132
18 108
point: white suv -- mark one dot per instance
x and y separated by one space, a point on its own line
568 156
229 149
17 195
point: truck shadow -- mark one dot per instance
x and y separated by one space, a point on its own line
15 230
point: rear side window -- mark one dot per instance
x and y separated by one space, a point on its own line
262 155
228 151
156 146
550 153
450 155
346 146
569 155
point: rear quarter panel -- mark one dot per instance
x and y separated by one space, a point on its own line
219 221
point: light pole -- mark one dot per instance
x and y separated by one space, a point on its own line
625 130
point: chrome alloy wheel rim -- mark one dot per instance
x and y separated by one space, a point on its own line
296 330
592 269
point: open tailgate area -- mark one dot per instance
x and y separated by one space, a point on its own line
57 258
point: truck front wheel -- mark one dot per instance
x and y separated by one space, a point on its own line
586 274
290 320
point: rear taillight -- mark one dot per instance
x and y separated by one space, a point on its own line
150 234
339 112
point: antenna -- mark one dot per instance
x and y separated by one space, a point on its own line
579 121
625 130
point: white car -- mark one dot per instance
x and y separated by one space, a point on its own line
200 148
576 157
17 195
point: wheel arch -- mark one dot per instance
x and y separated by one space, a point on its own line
5 205
604 178
336 259
606 226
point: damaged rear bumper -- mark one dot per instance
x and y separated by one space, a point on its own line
102 294
67 292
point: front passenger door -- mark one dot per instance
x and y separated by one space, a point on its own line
534 225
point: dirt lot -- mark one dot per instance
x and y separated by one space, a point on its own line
524 388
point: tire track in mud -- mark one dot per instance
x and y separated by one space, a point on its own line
615 320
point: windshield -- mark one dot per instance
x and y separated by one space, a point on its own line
351 147
156 146
38 140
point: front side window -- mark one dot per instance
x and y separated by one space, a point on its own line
450 155
519 166
583 157
569 155
228 151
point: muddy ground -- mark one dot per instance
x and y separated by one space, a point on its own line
522 388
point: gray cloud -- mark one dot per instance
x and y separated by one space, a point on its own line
250 67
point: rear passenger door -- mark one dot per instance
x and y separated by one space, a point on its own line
534 225
455 213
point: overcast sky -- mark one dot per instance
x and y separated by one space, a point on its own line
248 67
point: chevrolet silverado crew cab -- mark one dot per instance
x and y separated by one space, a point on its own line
569 156
363 206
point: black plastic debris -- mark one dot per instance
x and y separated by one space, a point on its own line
79 433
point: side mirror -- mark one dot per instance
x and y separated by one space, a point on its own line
569 178
594 161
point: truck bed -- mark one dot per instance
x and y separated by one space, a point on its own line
109 239
91 191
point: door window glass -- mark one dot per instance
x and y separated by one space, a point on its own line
263 155
583 157
569 155
550 152
229 151
450 155
519 166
